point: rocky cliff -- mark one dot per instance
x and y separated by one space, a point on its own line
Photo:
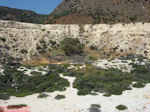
25 39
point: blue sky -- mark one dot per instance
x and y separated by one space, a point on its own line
39 6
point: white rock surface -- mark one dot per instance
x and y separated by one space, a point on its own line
128 38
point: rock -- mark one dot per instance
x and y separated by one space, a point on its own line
34 38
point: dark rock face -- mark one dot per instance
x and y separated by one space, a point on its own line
101 11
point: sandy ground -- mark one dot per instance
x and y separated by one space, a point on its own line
137 100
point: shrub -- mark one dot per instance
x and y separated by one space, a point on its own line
94 108
93 47
16 83
107 95
121 107
3 39
35 73
24 51
43 95
95 105
71 46
58 97
111 81
4 96
138 85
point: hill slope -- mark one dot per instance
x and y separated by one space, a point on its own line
21 15
101 11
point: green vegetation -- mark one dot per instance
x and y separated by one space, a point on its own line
92 58
58 97
16 83
71 46
2 39
107 95
93 47
110 81
40 69
63 13
95 105
43 95
121 107
138 85
35 73
4 96
95 108
22 15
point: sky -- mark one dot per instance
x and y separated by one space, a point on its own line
38 6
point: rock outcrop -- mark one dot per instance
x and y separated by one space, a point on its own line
25 39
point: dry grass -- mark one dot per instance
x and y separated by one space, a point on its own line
44 59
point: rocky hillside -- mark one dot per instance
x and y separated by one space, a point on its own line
24 40
101 11
21 15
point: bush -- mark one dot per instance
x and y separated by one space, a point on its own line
4 96
95 108
121 107
95 105
35 73
16 83
138 85
58 97
43 95
111 81
107 95
71 46
93 47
